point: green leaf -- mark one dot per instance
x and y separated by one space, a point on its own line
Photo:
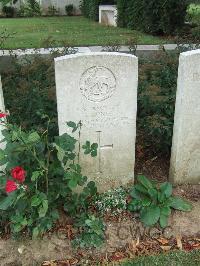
165 211
163 220
35 232
140 188
166 188
135 194
94 153
150 215
43 209
71 124
94 146
180 204
35 175
8 201
2 154
33 137
153 193
35 201
144 181
17 228
72 183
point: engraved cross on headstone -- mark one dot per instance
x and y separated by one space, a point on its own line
100 148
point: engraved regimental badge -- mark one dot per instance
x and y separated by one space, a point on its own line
97 84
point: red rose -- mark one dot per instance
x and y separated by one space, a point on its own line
2 115
10 186
18 173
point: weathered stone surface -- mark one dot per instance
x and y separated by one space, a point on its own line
2 109
108 15
100 89
185 158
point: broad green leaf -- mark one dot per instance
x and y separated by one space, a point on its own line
33 137
35 175
144 181
153 193
94 153
141 188
17 227
72 183
161 196
35 232
146 202
166 188
60 153
71 124
8 201
163 220
180 204
150 215
165 211
43 209
2 154
35 201
94 146
135 194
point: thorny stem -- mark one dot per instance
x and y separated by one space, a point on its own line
79 141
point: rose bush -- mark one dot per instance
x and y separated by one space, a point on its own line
39 177
18 173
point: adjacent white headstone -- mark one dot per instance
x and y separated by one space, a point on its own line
108 15
185 159
100 89
2 109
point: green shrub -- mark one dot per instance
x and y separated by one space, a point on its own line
193 13
39 178
29 92
8 11
155 202
52 11
156 101
69 10
152 16
30 9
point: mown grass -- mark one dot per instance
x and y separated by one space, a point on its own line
170 259
75 31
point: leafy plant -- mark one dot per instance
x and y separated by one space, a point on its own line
152 16
30 9
91 233
156 101
39 177
155 202
9 11
52 11
112 201
69 10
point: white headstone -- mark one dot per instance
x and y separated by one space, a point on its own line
108 15
100 89
2 109
185 158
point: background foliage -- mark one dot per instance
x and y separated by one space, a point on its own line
29 91
151 16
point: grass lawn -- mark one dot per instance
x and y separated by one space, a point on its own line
75 31
170 259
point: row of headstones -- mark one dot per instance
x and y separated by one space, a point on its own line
100 89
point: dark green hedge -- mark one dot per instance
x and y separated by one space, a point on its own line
151 16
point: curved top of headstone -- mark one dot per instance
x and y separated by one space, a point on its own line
73 56
192 52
